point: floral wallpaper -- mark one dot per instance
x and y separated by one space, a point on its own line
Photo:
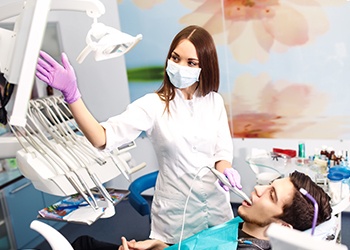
284 65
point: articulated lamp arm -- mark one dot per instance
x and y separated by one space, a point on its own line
93 8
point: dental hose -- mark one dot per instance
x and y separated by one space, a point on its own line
304 192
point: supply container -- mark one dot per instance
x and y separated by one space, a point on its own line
345 171
335 187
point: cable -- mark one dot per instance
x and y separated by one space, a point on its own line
248 242
184 213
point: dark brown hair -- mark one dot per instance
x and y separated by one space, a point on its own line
208 62
300 212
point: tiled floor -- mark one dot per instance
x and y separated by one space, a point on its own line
127 222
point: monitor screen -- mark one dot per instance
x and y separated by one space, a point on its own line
22 53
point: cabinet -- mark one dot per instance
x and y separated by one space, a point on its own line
21 202
5 234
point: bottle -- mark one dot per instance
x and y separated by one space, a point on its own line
302 160
301 150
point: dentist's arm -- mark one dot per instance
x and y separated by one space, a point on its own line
90 127
62 77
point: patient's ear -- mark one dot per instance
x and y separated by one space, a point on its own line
281 223
285 224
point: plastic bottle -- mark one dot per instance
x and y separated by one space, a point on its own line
301 150
302 160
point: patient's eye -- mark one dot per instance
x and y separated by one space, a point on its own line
273 194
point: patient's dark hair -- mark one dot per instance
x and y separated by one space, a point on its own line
300 212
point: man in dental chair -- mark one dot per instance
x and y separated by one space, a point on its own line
280 202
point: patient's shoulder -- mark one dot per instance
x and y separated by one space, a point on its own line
254 243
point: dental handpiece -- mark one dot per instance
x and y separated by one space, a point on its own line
235 190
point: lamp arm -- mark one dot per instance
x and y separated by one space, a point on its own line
93 8
10 10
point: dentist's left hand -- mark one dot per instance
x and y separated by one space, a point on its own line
57 76
142 245
233 177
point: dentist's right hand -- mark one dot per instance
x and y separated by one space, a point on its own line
60 77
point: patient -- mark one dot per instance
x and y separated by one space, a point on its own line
279 202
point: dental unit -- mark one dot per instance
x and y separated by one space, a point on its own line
55 155
59 161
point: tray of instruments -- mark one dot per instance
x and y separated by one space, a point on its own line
75 209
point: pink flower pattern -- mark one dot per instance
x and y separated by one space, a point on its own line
280 109
253 29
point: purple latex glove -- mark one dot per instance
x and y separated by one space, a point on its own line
57 76
233 177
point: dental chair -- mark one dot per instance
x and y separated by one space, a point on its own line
137 187
284 238
56 240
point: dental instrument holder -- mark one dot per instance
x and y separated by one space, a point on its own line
57 160
225 181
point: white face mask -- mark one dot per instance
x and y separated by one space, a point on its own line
182 76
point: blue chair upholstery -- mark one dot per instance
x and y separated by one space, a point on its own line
136 187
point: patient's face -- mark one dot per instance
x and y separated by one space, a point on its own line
268 202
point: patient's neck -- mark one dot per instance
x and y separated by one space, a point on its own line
255 230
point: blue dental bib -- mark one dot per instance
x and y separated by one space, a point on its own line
220 237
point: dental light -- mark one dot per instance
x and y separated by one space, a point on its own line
107 42
19 48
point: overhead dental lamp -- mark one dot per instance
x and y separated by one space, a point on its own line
19 48
107 42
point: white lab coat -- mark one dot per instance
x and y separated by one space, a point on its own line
194 135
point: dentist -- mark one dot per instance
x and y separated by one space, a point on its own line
187 124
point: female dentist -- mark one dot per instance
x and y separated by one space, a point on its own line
187 124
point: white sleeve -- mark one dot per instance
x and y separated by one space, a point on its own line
127 126
224 146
